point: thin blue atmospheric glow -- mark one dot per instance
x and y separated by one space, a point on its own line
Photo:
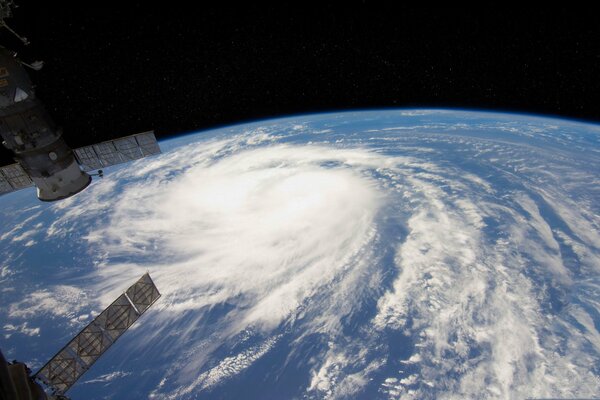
471 110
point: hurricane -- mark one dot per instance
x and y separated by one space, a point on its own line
391 254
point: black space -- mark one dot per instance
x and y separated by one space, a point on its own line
113 70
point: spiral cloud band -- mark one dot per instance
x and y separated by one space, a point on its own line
395 261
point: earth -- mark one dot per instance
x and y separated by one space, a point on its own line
426 254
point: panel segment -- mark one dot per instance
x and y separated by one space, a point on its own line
65 368
147 143
13 177
143 293
117 151
87 158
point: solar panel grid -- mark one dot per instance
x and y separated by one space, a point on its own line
117 151
13 177
63 370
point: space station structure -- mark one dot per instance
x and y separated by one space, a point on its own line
43 158
59 374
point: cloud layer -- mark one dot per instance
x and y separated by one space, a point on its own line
404 261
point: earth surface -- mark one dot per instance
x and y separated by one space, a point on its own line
427 254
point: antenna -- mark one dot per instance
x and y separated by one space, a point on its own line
6 12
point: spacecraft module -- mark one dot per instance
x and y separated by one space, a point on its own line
43 158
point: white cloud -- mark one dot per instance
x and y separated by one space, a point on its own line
61 301
106 378
262 229
10 234
461 295
288 237
22 328
295 224
227 368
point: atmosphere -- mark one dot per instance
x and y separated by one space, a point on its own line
382 254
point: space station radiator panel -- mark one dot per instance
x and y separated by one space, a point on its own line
13 177
117 151
65 368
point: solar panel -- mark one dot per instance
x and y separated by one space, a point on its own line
87 158
143 293
108 154
13 177
117 151
67 366
5 187
148 143
128 148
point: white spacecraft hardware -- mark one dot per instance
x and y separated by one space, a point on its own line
43 158
73 360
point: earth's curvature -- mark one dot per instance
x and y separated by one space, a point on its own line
427 254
